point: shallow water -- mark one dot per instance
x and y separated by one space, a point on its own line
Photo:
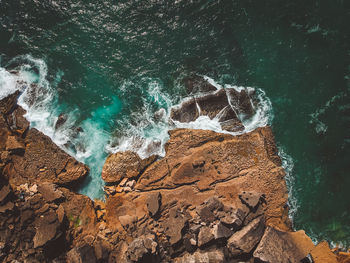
110 65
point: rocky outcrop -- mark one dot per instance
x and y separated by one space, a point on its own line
38 216
229 106
28 156
212 198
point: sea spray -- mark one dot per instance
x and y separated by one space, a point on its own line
85 139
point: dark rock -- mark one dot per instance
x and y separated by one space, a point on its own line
153 203
243 241
211 104
62 118
187 111
4 192
205 236
7 207
195 84
8 104
251 198
82 254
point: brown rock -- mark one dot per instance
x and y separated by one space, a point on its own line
50 192
121 165
216 256
4 192
243 241
82 254
43 161
45 231
221 232
205 236
60 213
251 198
14 145
283 247
153 203
322 253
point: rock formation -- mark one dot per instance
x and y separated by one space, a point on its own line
212 198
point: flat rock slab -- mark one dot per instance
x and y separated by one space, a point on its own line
283 247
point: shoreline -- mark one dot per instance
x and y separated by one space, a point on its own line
44 219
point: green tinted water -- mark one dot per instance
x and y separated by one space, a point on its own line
104 59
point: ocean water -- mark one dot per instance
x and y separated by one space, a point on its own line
108 66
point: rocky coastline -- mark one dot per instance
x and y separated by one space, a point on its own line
214 197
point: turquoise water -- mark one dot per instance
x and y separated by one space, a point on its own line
110 65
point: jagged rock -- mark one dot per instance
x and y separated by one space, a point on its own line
173 228
186 112
283 247
121 165
62 118
50 192
251 198
243 241
216 256
46 229
153 203
322 253
82 254
205 236
43 161
233 218
195 84
206 215
221 232
142 249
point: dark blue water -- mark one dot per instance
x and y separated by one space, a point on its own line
110 65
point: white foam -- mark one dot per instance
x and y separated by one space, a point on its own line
288 166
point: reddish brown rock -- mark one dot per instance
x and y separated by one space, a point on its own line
322 253
123 165
283 247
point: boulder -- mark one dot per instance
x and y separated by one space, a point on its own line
121 165
205 236
62 118
143 249
244 240
283 247
195 84
81 254
46 229
221 232
215 256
